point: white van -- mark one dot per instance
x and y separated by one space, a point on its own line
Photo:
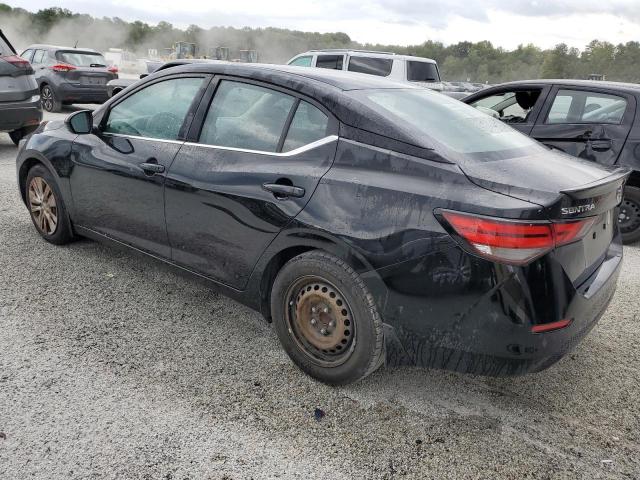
400 68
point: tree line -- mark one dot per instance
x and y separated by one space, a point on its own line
479 61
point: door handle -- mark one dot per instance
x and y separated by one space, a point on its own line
152 168
283 191
600 145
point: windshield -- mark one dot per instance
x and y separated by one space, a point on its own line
82 59
448 124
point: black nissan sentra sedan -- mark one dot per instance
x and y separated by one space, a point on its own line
370 221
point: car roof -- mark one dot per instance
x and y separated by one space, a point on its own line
368 53
57 47
338 79
629 87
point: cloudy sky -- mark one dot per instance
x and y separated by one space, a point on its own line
504 22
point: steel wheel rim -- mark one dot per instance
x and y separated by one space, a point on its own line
47 99
320 321
629 217
43 206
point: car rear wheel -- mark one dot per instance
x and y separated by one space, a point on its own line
326 319
46 207
629 217
49 101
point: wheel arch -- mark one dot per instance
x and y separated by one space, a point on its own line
290 244
27 165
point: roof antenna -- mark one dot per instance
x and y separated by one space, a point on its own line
76 44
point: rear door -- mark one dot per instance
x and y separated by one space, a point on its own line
118 175
590 123
255 158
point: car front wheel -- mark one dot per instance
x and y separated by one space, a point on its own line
46 206
326 319
629 217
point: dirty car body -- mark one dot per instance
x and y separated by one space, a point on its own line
494 256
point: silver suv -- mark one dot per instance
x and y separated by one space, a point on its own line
400 68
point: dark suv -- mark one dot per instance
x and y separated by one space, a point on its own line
69 75
20 111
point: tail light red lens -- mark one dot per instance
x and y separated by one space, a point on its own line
62 67
550 327
112 69
514 242
17 61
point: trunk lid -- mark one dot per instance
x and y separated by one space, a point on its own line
16 75
566 188
84 68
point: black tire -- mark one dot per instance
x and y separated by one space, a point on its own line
319 277
19 134
629 220
49 99
62 233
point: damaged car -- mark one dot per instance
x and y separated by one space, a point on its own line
597 121
372 222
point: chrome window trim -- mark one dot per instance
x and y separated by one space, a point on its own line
149 139
291 153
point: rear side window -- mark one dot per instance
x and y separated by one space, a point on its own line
302 61
27 54
246 116
422 72
576 106
157 111
39 56
82 59
380 67
309 125
332 62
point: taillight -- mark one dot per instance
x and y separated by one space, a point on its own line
62 67
17 61
113 69
513 241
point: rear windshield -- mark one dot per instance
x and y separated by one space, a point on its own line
82 59
448 124
422 72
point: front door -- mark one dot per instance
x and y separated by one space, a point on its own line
252 167
117 181
589 123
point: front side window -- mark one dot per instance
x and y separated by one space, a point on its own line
448 124
510 107
332 62
309 125
156 111
302 61
576 106
380 67
422 71
82 59
246 116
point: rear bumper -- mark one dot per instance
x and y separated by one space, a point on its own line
477 316
15 115
76 93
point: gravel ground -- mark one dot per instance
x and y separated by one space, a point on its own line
112 366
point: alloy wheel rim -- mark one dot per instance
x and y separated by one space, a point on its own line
629 217
43 206
320 321
47 99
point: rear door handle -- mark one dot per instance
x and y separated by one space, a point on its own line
282 191
152 168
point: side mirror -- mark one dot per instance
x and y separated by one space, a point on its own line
80 122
